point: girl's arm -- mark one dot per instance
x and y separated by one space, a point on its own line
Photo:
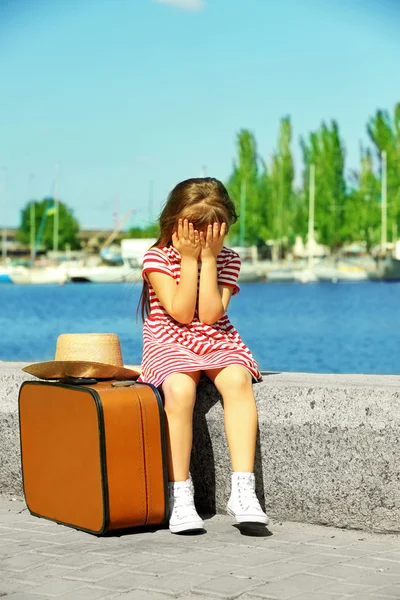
179 300
213 299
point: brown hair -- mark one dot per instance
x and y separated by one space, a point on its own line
200 200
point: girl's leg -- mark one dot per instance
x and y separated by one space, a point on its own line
234 383
179 397
179 392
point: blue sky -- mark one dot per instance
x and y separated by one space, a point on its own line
124 92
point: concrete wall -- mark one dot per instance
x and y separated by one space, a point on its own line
328 449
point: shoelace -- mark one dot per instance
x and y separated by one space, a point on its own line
246 488
184 505
185 498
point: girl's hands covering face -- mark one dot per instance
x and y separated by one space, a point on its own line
212 240
186 239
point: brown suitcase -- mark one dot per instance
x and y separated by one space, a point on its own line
94 456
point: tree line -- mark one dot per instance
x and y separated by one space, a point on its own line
347 204
270 204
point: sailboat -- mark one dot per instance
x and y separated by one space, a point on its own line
38 275
323 272
308 275
105 273
388 267
110 266
4 269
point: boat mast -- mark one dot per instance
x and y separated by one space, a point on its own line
32 217
116 210
311 216
242 231
384 204
33 231
4 215
56 209
150 207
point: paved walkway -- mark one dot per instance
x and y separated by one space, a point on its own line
42 560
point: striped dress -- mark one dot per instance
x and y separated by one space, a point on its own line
172 347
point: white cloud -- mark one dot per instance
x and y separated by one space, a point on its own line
184 4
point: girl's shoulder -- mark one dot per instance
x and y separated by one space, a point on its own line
161 252
153 250
228 255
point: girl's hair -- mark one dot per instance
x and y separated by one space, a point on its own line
200 200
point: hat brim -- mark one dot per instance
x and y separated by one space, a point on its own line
58 369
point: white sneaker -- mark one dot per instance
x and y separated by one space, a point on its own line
183 514
243 503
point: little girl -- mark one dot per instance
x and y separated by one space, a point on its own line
189 278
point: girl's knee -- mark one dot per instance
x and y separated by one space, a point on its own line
236 378
179 392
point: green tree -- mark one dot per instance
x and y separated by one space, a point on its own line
264 199
384 132
44 211
325 150
362 209
299 214
282 202
245 184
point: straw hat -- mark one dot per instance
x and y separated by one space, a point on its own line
86 355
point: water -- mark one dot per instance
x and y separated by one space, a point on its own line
320 328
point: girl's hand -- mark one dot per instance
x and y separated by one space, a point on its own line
212 241
186 240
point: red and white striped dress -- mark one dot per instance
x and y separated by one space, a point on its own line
171 347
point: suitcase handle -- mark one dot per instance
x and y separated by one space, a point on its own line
79 381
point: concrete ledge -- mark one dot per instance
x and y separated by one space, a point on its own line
328 449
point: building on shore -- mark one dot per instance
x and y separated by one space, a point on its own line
91 241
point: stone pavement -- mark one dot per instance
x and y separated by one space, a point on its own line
42 560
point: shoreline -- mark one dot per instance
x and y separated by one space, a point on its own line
327 447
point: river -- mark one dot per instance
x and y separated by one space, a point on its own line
320 328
